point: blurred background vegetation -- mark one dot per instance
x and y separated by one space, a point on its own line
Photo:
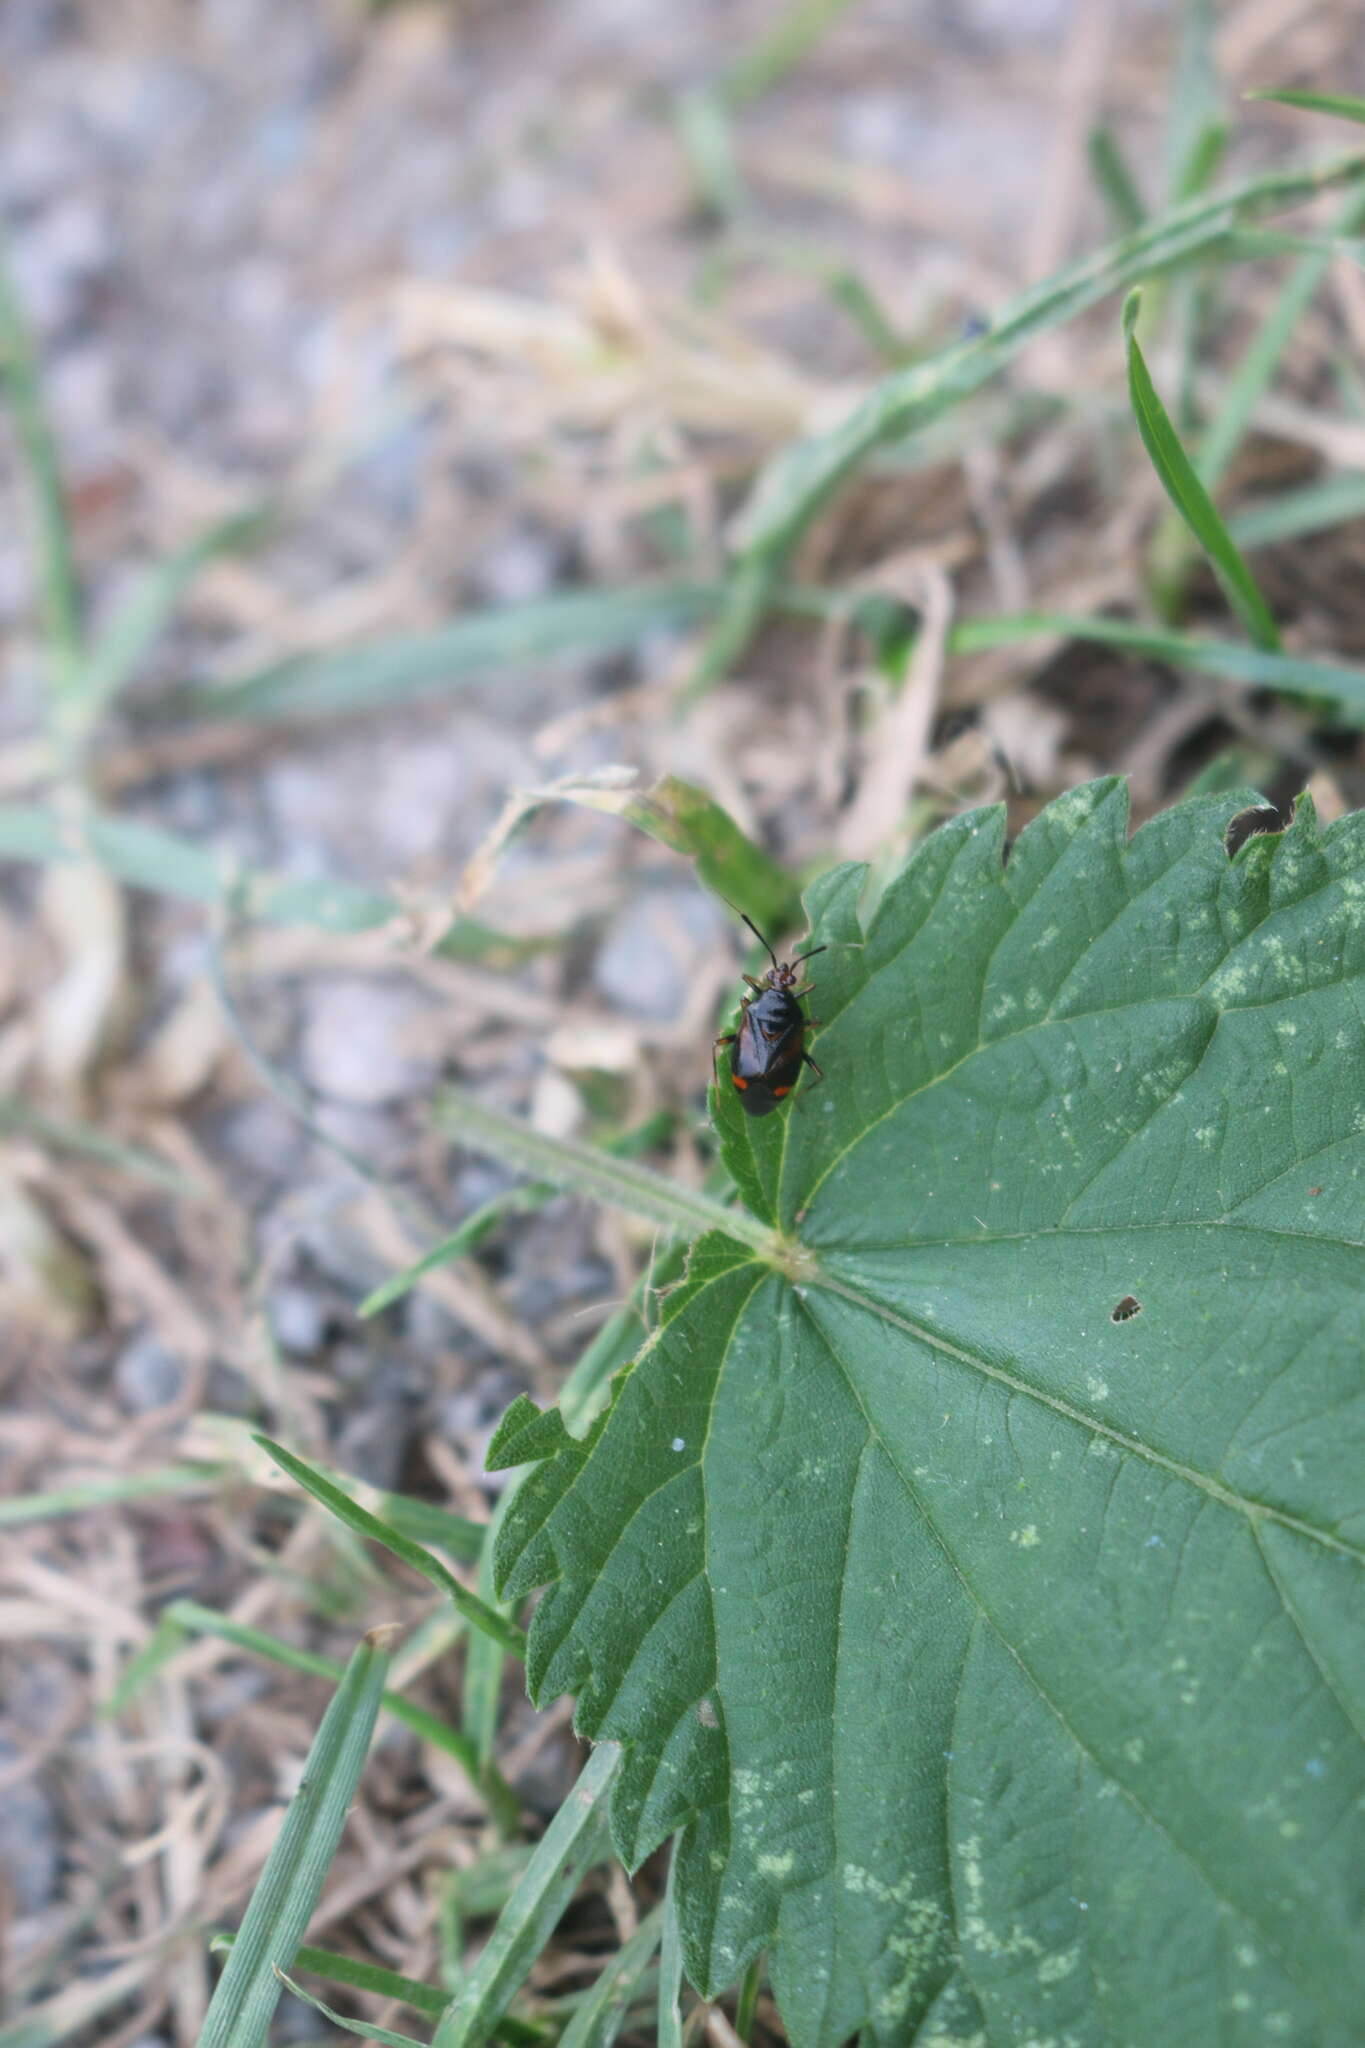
385 388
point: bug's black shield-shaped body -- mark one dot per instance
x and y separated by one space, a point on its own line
769 1048
765 1059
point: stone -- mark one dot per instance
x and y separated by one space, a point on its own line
146 1375
362 1042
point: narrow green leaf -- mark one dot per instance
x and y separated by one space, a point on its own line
361 2028
1188 495
187 1617
1255 370
986 1604
600 2017
475 1611
586 1171
488 1215
1310 508
1342 104
151 603
427 1999
670 2029
688 821
706 133
795 485
1115 179
425 1522
144 857
1251 666
797 27
1195 104
575 1840
68 1134
395 671
288 1888
83 1495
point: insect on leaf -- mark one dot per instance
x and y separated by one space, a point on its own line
996 1647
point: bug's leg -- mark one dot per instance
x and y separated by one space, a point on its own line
726 1038
754 984
819 1072
804 989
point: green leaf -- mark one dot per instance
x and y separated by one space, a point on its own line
1341 104
602 2014
145 857
796 484
575 1840
288 1889
394 671
1181 484
688 821
475 1611
618 1182
1253 667
1114 176
385 2035
984 1602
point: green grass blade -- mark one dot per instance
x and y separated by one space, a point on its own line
427 1999
22 384
797 483
289 1886
187 1617
670 2026
1117 185
425 1522
1230 660
797 29
602 2014
83 1495
362 2028
489 1214
1312 508
469 1235
1188 495
705 130
67 1134
688 821
395 671
575 1840
1195 98
1254 372
1343 105
152 602
144 857
475 1611
584 1170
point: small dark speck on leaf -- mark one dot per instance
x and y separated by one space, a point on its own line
1315 1191
1124 1312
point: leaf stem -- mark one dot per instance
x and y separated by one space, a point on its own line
584 1170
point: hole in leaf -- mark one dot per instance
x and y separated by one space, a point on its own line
1125 1310
1254 824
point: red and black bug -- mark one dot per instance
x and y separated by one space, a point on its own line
769 1049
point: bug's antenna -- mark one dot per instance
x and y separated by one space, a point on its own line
761 940
809 956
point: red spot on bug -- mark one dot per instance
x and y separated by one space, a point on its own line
739 1080
782 1091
